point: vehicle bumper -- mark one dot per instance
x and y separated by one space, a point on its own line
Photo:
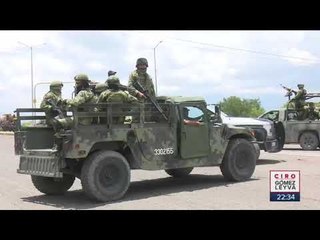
271 146
46 165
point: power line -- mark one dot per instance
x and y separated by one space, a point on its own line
245 50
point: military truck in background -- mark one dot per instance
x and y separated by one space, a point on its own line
294 126
304 132
176 139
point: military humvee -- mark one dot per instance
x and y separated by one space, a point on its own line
101 155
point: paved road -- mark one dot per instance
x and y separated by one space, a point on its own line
204 189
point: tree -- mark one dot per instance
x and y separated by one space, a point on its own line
237 107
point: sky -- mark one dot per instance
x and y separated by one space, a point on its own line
212 64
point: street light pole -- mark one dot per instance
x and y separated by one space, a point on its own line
155 66
31 56
32 78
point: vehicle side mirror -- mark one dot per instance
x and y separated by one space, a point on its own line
217 110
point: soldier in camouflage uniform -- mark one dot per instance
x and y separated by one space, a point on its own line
114 94
99 88
50 100
84 95
299 101
141 75
311 114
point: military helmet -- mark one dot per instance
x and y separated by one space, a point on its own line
113 80
142 61
81 77
56 84
100 87
110 73
300 85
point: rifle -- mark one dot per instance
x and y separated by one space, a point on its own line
55 108
138 87
289 91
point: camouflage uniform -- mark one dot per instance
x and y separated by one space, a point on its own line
99 88
299 101
311 114
85 95
142 77
114 94
54 95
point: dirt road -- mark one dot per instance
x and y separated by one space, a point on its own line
205 188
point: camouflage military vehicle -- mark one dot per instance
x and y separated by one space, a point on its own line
304 132
177 139
295 126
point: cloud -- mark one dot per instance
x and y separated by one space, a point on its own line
204 63
307 58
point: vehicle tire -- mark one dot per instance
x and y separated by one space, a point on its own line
179 172
105 176
309 141
53 186
239 161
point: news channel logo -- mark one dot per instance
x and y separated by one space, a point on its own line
285 185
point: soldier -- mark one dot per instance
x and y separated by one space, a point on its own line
51 100
84 95
131 90
141 75
311 114
299 101
114 94
99 88
111 73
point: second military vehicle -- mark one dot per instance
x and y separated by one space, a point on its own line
174 134
302 127
305 132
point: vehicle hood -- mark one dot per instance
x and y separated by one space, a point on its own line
244 121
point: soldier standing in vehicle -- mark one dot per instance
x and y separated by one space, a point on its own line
141 75
114 94
299 101
51 100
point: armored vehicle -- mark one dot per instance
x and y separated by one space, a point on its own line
175 135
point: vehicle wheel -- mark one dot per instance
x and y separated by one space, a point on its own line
239 160
105 176
179 172
309 141
53 186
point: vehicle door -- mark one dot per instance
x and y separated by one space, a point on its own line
194 131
